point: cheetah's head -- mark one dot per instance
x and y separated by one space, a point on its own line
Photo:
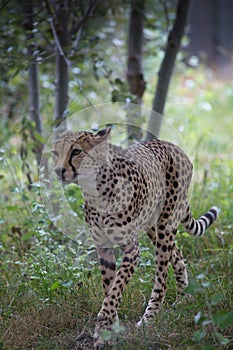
79 154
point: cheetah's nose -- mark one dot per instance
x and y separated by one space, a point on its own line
60 172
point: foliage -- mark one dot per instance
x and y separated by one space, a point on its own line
97 63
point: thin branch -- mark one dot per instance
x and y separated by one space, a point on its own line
48 8
4 5
88 12
58 44
81 23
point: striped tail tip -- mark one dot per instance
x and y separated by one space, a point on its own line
198 227
216 210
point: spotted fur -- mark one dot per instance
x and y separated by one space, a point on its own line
142 187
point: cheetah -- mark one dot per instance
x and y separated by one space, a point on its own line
126 190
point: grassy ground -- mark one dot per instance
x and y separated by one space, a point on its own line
50 286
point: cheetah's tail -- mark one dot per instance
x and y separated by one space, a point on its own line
198 227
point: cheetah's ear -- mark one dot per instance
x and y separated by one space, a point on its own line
103 134
67 133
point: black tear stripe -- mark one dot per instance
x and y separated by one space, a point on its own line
72 167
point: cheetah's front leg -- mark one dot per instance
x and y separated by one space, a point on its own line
107 263
108 313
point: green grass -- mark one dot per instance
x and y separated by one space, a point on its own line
50 286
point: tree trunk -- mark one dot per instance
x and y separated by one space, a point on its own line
62 63
34 108
166 69
134 68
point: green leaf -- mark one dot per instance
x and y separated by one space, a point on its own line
221 339
197 317
215 299
198 336
67 284
40 138
118 82
206 284
106 334
115 95
11 207
193 287
223 319
55 285
117 328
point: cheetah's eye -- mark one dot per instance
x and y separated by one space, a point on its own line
75 152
